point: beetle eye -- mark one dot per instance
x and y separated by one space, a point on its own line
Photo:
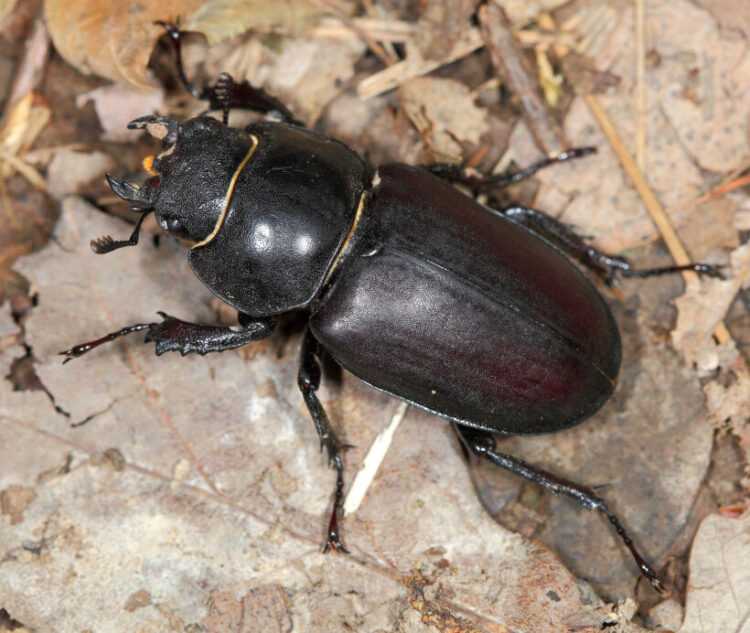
176 228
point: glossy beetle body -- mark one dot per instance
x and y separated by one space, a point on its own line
473 313
411 285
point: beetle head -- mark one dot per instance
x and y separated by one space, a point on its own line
190 176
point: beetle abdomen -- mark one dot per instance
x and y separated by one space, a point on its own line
468 314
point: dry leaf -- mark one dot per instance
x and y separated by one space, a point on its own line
303 72
441 24
730 404
718 593
521 12
23 123
705 83
112 39
117 105
444 112
70 170
731 14
6 7
703 306
220 20
309 73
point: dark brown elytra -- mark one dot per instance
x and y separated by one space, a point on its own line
475 314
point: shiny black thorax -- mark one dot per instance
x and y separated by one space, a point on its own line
292 206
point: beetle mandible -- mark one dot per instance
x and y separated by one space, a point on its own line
475 314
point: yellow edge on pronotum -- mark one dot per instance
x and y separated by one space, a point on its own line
345 244
230 193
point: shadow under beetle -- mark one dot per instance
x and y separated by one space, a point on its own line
472 313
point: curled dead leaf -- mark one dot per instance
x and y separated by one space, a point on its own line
444 113
111 39
220 20
6 6
703 306
718 595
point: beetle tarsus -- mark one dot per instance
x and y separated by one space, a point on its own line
83 348
333 539
481 444
615 266
106 244
309 381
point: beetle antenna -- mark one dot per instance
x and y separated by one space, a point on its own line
106 244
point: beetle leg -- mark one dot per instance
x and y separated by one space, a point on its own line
482 444
309 381
608 267
106 244
174 335
457 173
226 93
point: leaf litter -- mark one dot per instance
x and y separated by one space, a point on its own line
159 470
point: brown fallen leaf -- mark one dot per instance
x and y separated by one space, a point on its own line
6 6
111 39
731 14
117 105
703 306
705 101
23 123
69 170
221 20
521 12
442 24
718 594
445 114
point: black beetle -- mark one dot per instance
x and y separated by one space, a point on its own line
474 314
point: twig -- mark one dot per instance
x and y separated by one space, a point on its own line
372 43
371 462
654 207
725 187
385 31
31 67
511 64
415 66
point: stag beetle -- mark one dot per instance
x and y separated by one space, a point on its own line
471 313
